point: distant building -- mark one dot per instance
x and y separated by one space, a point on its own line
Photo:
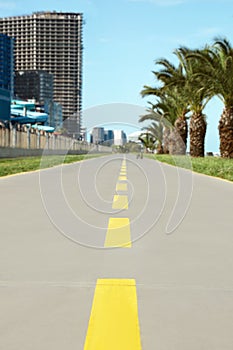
109 137
97 135
120 137
71 126
54 111
34 84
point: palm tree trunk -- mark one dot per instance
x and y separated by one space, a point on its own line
197 129
178 137
160 148
166 134
226 133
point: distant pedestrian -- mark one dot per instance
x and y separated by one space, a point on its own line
140 154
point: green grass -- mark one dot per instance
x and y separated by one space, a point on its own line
212 166
18 165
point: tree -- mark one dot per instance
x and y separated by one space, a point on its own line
197 98
164 114
156 130
216 74
148 141
175 96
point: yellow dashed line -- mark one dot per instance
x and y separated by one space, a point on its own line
114 320
121 187
120 202
114 323
122 178
118 234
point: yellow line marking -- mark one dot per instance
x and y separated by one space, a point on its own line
118 233
120 202
122 178
121 187
123 173
114 323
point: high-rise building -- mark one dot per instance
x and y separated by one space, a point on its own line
120 137
97 135
109 137
51 41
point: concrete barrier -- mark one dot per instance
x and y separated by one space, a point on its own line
31 142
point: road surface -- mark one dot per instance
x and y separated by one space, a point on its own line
116 253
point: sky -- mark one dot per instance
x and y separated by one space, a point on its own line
123 38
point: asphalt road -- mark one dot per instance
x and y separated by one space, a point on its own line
113 242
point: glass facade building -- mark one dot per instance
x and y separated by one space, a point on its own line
6 75
6 63
34 84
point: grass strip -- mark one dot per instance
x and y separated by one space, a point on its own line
213 166
12 166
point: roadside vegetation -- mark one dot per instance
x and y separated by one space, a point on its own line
13 166
213 166
180 95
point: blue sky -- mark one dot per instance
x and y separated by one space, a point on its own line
123 38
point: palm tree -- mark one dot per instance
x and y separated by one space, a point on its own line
174 83
148 140
216 73
156 130
197 100
167 75
162 112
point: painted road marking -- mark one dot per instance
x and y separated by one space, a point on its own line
114 323
122 178
118 233
121 187
120 202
